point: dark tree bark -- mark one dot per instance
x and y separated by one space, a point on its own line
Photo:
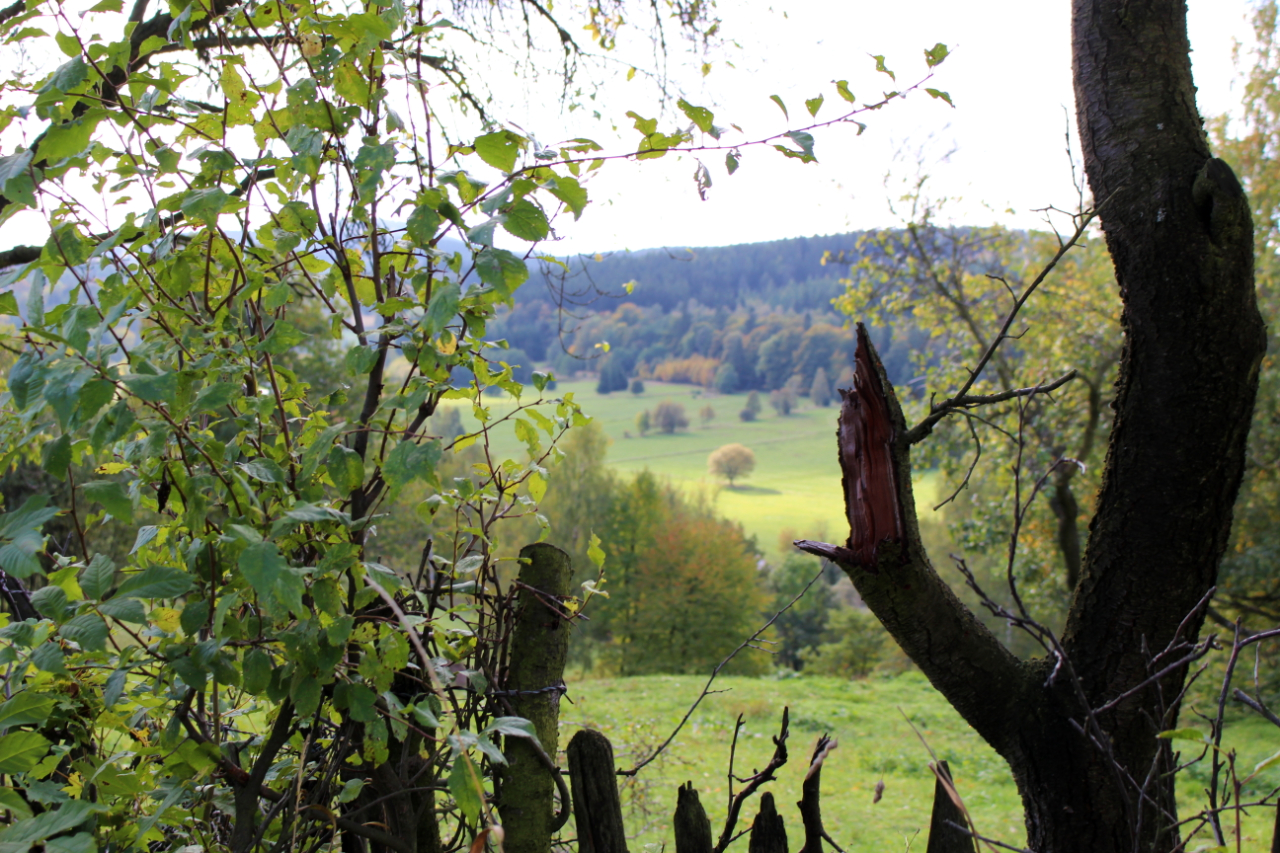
1178 228
768 832
597 808
947 822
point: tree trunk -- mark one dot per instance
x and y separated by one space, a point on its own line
1180 233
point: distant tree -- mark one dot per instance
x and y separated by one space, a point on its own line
644 422
669 417
783 401
777 358
707 415
820 390
733 462
855 644
802 627
612 377
727 380
637 386
752 409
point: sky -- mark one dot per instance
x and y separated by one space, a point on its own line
1009 75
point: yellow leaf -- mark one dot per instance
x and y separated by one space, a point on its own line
113 467
165 618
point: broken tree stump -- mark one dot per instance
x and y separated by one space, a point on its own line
768 834
693 829
597 808
945 832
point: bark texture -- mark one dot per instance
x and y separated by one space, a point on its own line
539 650
945 834
597 808
768 833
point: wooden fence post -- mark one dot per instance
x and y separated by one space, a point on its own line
597 809
768 834
943 837
693 829
535 680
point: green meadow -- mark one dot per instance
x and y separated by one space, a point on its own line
795 487
882 725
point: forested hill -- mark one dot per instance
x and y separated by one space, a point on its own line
748 317
786 274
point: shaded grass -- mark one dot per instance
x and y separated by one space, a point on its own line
870 720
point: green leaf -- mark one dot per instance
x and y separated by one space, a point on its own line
464 784
55 456
361 359
262 565
940 95
67 816
512 727
350 790
731 162
48 657
257 671
306 696
934 55
881 67
204 205
26 709
781 105
813 105
20 751
525 220
595 553
155 582
153 389
569 191
499 149
15 177
443 306
95 583
497 268
125 609
213 397
68 139
409 461
700 116
346 468
422 225
89 630
11 800
265 470
284 337
114 688
842 88
68 43
8 304
195 615
112 496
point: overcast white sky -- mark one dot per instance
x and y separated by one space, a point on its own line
1010 78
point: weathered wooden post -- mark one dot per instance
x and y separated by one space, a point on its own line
535 680
768 834
597 809
693 829
944 837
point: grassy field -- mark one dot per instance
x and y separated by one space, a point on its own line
796 483
870 720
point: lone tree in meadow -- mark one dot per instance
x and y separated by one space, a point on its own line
733 461
669 417
752 410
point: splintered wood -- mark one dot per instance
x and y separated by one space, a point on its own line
866 461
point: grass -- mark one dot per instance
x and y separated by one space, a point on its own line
795 487
869 718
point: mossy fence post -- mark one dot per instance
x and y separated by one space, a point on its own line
597 808
534 683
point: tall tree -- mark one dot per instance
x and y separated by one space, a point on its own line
1078 726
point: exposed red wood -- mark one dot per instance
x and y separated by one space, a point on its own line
871 495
